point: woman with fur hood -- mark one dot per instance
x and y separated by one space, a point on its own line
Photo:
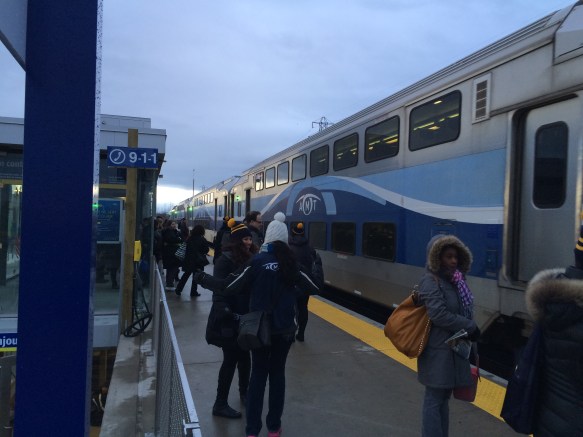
554 298
449 303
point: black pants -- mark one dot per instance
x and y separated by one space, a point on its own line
302 303
233 356
183 280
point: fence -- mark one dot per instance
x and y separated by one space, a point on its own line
175 411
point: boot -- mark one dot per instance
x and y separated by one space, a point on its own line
222 409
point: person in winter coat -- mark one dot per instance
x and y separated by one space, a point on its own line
171 240
195 258
305 255
223 320
274 279
219 238
554 298
449 303
254 223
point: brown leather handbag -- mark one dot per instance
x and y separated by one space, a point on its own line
408 326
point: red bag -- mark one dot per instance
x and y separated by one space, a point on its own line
468 393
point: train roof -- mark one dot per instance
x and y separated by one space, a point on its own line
517 43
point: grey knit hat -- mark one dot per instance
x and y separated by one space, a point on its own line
277 230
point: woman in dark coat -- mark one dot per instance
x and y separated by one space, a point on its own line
554 298
171 240
223 322
449 303
195 259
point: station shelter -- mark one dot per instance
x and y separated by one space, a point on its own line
109 268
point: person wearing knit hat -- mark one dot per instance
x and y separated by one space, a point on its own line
277 230
273 280
306 256
221 328
218 241
238 231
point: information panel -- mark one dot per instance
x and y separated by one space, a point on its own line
109 221
132 157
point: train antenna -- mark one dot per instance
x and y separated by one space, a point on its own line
323 123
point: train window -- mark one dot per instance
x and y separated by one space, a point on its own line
319 161
550 165
378 240
381 140
270 177
259 181
344 238
283 173
317 235
299 168
435 122
345 152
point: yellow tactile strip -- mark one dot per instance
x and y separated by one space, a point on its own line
490 395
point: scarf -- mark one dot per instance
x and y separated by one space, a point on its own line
465 294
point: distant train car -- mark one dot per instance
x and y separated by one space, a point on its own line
488 149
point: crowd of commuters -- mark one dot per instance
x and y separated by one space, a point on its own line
241 283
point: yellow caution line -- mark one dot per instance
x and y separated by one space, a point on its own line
490 395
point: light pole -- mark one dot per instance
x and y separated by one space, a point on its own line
192 182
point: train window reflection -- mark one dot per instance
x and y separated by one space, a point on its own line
283 173
382 140
346 152
550 165
299 168
344 238
435 122
317 235
259 181
378 240
270 177
319 161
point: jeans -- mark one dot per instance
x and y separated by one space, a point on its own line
436 412
302 303
267 362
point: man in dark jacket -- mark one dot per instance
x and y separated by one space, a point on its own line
219 238
305 255
254 223
555 299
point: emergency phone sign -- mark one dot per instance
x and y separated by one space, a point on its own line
132 157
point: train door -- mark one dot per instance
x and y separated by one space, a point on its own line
549 187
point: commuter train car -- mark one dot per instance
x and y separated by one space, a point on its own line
488 149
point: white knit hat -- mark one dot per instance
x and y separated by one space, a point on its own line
277 230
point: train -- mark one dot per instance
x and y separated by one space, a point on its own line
488 149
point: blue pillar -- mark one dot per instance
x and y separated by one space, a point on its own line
60 169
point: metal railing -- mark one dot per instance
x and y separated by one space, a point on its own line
175 411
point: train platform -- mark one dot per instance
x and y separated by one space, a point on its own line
346 379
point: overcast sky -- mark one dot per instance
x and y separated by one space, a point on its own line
234 81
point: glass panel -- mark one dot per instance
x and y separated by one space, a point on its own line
299 168
435 122
550 166
259 181
319 161
378 240
344 238
283 173
346 152
317 235
382 140
270 177
10 215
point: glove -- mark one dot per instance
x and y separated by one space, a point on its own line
475 335
198 276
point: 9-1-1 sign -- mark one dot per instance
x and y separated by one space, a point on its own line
132 157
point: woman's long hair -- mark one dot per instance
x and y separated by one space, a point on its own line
240 254
288 267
